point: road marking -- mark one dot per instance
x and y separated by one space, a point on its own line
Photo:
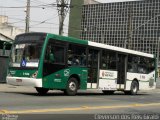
77 108
3 111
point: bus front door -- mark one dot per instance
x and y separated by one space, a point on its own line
93 68
121 68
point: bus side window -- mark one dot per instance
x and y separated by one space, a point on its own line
108 60
83 59
76 55
59 54
104 63
130 69
132 64
54 57
142 66
46 59
150 64
75 60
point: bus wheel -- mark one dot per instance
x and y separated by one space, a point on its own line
107 92
134 89
42 91
72 87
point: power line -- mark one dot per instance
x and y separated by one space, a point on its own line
34 6
20 1
46 27
34 1
38 1
42 22
17 22
38 22
37 4
30 20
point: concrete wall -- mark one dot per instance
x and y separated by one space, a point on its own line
158 83
8 30
4 38
3 19
3 68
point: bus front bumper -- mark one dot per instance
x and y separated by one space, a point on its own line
19 81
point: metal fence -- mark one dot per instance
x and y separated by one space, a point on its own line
3 68
5 48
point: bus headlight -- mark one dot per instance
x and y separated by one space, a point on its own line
34 75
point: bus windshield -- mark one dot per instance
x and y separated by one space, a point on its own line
26 52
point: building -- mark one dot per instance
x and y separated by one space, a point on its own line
5 46
7 29
134 25
7 34
76 15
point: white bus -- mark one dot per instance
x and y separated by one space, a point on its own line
48 61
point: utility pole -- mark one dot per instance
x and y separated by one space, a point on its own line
62 7
27 16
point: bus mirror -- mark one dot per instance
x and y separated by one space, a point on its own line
51 57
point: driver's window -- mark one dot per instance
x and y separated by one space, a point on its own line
54 57
59 54
48 52
55 53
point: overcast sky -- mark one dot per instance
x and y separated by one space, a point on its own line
41 19
107 1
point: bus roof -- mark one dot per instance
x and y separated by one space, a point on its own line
68 39
100 45
94 44
119 49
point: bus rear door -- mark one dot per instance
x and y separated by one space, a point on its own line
93 68
121 69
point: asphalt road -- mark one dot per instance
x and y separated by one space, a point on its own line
26 103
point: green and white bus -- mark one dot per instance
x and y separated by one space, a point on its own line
52 62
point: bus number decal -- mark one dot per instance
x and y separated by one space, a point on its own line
24 73
142 77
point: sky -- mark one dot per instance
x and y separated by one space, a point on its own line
108 1
42 19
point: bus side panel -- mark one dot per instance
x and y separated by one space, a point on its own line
130 78
21 73
146 81
58 80
23 78
108 80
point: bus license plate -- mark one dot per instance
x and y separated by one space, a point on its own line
18 80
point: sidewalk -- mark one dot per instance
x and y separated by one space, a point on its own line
11 88
28 89
158 83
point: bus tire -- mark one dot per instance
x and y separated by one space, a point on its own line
134 89
72 87
42 91
107 92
